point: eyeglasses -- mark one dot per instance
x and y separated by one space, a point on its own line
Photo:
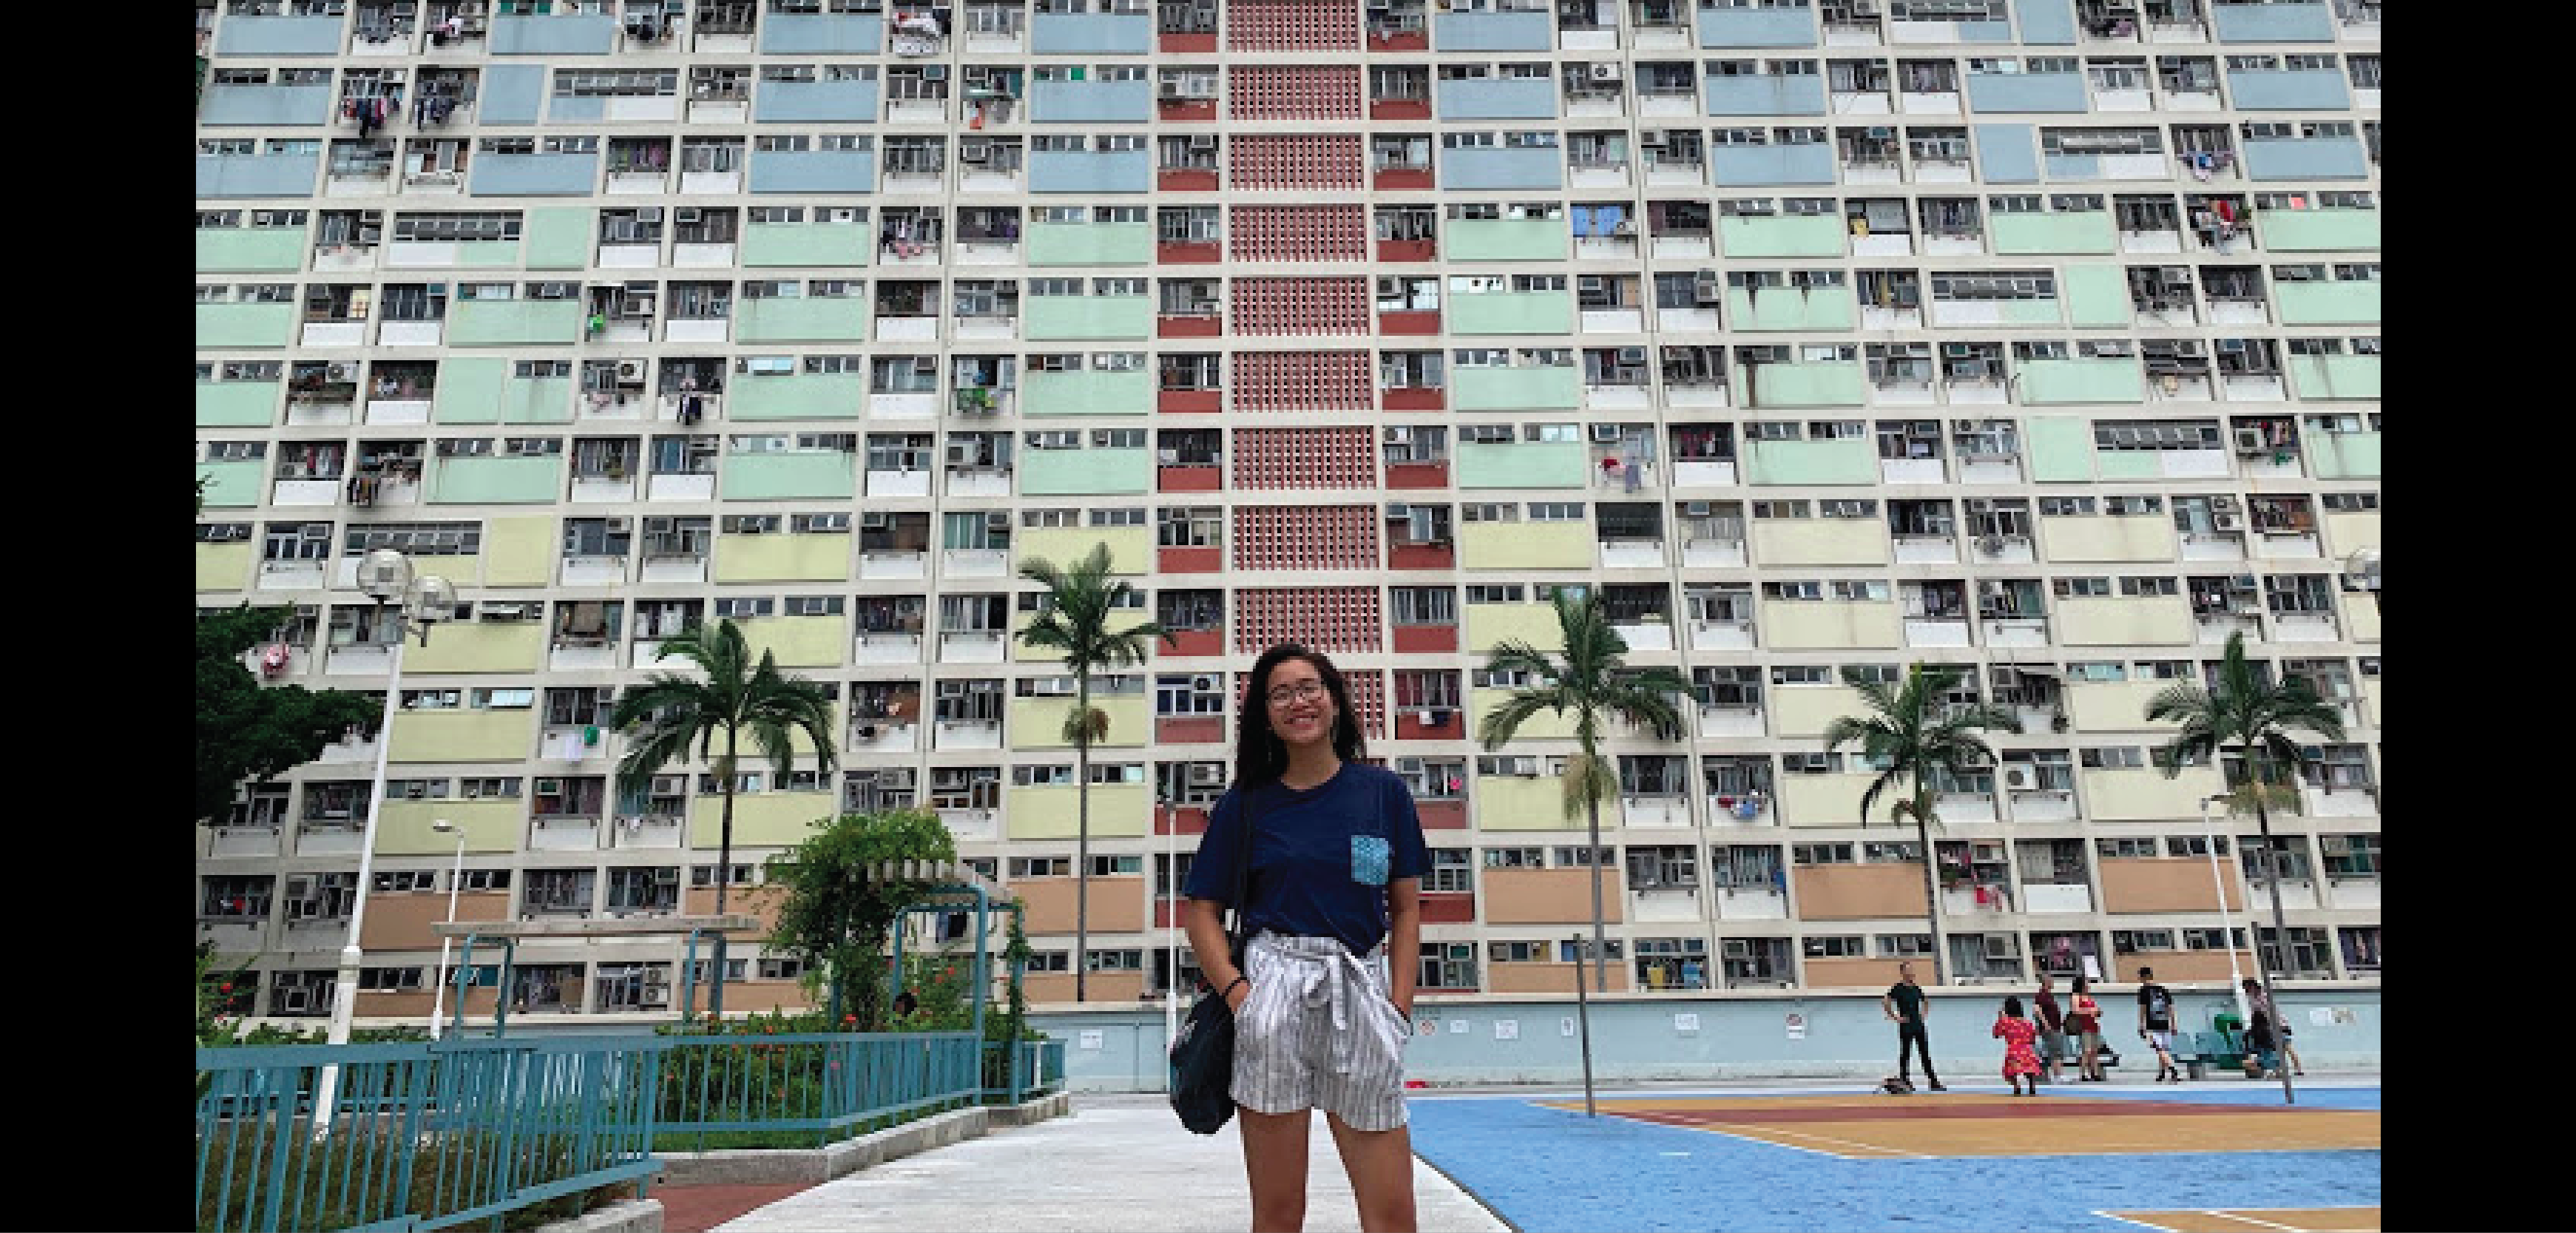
1302 691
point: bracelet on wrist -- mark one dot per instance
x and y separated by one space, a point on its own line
1229 988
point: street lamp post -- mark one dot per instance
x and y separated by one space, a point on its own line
1172 922
455 879
419 602
2226 925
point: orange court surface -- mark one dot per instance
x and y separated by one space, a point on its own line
1881 1127
2259 1220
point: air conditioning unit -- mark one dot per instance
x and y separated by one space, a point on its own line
1398 512
1607 70
1605 434
670 785
2003 946
501 612
1696 509
2249 440
686 215
1207 683
1169 90
2228 521
630 371
550 787
341 372
2222 501
934 72
1986 851
974 151
1652 137
1207 774
1632 355
294 998
2020 778
1991 545
1736 948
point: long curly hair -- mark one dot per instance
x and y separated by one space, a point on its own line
1259 755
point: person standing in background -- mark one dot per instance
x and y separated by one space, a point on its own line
2155 1023
1903 1005
2052 1027
2086 1024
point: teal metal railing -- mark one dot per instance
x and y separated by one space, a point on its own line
1031 1068
718 1091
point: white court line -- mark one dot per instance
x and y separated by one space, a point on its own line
2143 1224
1803 1134
2238 1214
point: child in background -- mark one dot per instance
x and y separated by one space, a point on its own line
2021 1062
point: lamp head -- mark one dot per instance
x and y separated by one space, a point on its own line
433 599
385 575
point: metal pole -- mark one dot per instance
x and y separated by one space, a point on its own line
1171 927
1583 1017
344 994
455 879
2226 925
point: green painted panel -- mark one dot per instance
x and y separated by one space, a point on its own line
1828 383
805 244
1524 464
797 396
2336 303
497 255
1842 461
1086 393
229 249
232 485
827 474
507 323
2061 448
2047 382
536 400
1047 473
2318 377
1512 312
557 237
1054 318
1090 244
832 319
469 390
2125 465
1553 388
245 325
1791 308
1506 239
496 481
237 404
2033 312
2097 295
2343 455
2084 231
1800 236
2313 231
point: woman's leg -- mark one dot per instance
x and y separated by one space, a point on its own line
1380 1165
1274 1158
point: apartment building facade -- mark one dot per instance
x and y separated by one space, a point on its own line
2038 337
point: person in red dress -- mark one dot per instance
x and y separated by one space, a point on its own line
2021 1061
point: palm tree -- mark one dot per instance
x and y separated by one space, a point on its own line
1594 684
732 696
1075 623
2242 712
1917 737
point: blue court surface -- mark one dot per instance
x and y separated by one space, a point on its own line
1544 1168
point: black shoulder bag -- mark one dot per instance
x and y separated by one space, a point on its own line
1202 1057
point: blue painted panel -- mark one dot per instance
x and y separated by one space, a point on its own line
2019 92
2302 90
813 171
1765 95
1492 32
266 105
278 36
1110 33
257 175
2046 23
2007 154
1985 32
821 32
533 175
2274 23
2293 158
554 34
1090 102
1090 171
1502 169
576 108
1758 27
1748 166
1532 98
2072 167
782 102
511 94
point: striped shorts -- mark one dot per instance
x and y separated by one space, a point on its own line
1319 1031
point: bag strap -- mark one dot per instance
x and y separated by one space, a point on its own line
1242 881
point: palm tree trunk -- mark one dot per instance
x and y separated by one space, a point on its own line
1082 837
1600 949
724 881
2280 920
1931 885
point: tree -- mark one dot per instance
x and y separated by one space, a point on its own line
2243 713
833 916
249 731
729 696
1075 623
1593 683
1917 736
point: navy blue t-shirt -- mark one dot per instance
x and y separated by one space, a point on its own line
1321 858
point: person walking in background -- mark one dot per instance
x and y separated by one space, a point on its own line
2268 1036
2155 1023
2052 1028
2086 1024
1903 1005
2020 1060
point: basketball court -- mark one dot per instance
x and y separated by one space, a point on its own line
2260 1220
1928 1124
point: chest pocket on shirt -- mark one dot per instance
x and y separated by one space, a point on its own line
1368 860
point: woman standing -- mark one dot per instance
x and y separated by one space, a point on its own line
1323 996
2020 1060
2086 1022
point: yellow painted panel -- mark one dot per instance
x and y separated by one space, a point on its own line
1525 545
1828 800
463 736
2125 621
1833 624
1517 803
2370 702
1543 726
1131 549
2361 613
1489 624
1038 723
783 558
800 641
1023 652
224 567
2138 537
1806 709
1820 541
520 552
1051 811
760 819
490 824
479 646
2113 706
2144 794
2347 534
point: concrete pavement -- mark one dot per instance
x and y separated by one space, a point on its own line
1118 1163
